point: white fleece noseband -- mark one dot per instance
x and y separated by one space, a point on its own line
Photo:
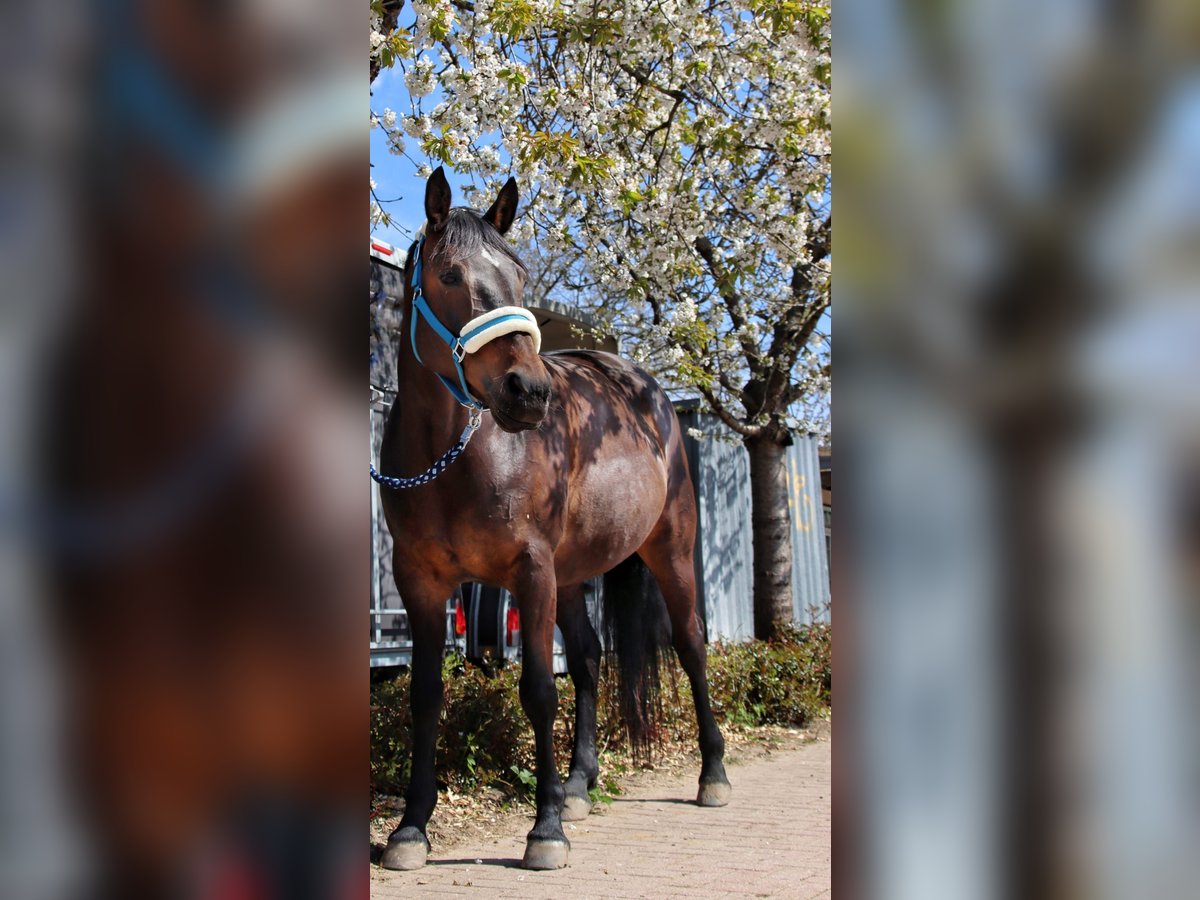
497 323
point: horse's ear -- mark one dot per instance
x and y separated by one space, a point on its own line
437 199
504 210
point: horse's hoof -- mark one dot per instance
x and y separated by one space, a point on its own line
576 808
405 854
714 793
545 854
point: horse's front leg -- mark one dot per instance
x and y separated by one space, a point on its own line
425 602
546 846
583 662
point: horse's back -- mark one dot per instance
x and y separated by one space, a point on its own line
609 377
627 454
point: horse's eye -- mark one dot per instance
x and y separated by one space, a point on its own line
451 276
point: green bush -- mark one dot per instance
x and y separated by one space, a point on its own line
483 731
485 740
781 682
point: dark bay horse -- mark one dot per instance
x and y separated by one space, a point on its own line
578 466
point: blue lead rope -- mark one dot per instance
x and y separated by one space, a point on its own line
396 483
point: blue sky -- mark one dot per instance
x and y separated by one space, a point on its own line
396 176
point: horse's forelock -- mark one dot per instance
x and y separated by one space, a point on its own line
466 233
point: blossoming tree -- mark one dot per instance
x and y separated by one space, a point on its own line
675 162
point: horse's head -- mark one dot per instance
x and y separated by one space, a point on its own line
468 271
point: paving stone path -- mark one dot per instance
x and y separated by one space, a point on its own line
772 840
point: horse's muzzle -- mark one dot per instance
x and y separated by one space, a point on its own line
521 403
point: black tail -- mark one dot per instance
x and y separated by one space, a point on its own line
635 627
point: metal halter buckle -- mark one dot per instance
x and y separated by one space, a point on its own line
458 351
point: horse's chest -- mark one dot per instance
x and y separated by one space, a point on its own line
475 525
451 520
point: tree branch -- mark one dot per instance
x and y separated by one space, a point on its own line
792 332
645 80
391 13
729 296
722 412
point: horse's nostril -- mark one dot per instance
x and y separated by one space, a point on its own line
527 391
517 385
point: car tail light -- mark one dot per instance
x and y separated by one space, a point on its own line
460 618
512 626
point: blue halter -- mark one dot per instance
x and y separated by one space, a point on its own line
501 321
476 333
461 391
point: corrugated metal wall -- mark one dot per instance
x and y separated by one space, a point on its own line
724 552
810 563
389 630
720 469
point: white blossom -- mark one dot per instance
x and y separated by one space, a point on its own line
637 134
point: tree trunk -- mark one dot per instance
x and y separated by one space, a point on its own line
772 531
391 14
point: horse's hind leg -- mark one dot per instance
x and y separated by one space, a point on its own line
583 662
668 555
425 603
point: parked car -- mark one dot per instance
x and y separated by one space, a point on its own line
482 623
